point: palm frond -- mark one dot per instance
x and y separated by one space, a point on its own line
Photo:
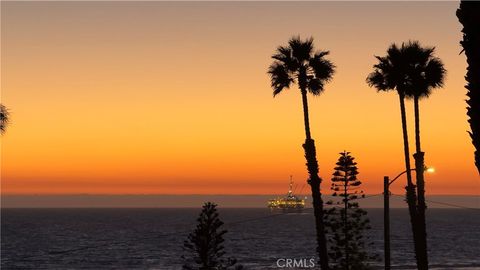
322 68
284 55
4 118
279 77
435 72
315 86
423 70
297 62
301 50
377 79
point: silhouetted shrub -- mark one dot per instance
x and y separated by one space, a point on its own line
205 244
345 221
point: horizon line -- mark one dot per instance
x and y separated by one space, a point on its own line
190 194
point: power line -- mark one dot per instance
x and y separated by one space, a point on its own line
453 205
446 204
369 196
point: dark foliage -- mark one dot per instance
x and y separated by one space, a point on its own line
4 118
468 15
299 63
205 244
345 221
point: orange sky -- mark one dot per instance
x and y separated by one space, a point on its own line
163 97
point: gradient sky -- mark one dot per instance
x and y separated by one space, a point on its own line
173 98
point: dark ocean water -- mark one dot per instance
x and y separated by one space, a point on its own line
153 238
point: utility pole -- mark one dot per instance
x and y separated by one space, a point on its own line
386 221
386 216
386 213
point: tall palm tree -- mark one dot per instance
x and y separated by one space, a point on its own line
299 63
426 73
468 16
392 73
4 118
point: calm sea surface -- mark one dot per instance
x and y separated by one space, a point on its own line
153 238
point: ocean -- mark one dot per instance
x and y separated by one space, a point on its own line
152 238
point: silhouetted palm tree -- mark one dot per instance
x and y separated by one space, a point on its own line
468 16
4 118
392 72
427 73
299 63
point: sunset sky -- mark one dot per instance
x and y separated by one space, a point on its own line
173 98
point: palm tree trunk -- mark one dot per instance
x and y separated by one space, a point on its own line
417 125
305 115
419 171
405 141
314 182
410 188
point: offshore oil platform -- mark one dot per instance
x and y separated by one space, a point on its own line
289 202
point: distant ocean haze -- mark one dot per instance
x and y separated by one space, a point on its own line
194 200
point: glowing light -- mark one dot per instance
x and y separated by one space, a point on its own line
430 170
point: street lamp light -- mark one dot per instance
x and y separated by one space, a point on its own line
386 212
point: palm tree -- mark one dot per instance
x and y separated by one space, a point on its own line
299 63
427 73
468 16
4 118
392 73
